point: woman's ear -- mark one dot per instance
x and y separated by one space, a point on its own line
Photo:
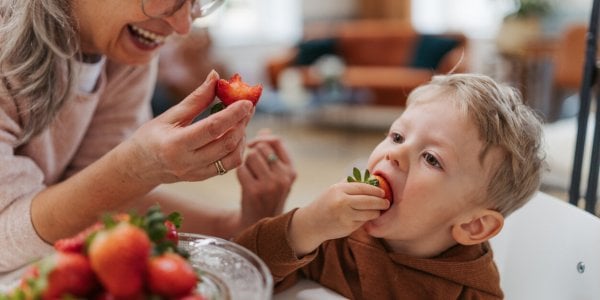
478 228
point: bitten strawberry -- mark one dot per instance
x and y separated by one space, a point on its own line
374 180
171 275
119 257
234 89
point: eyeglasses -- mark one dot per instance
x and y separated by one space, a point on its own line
165 8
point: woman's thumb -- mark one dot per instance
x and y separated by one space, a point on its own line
195 103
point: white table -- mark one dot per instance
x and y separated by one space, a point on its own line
308 290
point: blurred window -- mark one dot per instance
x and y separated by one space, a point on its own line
251 22
476 18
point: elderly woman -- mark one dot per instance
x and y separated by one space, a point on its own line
76 138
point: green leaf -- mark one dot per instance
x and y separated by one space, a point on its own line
350 179
356 173
108 221
367 175
219 106
176 218
373 182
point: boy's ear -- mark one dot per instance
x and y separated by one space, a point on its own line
479 228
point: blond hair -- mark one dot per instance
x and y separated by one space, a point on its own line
503 121
39 45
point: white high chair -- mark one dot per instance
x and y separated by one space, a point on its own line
549 249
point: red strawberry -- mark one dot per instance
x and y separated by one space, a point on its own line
235 89
375 180
171 232
119 257
31 274
171 275
192 297
71 274
104 295
385 186
76 244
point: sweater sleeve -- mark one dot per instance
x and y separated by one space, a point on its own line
20 180
123 106
270 241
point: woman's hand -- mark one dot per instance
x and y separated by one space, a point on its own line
266 178
336 213
173 148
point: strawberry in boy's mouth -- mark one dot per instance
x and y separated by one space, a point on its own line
385 186
375 180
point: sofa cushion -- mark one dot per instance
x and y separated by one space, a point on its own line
311 50
430 49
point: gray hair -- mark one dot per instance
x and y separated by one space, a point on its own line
39 44
503 121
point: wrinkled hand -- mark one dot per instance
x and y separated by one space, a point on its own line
173 148
336 213
266 178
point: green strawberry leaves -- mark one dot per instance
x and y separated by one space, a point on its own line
366 178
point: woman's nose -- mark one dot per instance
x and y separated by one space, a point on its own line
181 20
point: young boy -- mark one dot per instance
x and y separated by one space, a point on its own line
464 154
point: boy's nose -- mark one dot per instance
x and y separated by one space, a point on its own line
398 157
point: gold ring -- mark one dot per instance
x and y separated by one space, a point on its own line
220 168
272 158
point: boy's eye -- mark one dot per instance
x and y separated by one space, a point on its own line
431 160
397 138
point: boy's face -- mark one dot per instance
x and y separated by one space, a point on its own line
431 158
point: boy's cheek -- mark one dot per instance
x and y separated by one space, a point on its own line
377 155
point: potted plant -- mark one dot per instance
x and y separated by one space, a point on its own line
522 26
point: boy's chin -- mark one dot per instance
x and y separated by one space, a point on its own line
373 229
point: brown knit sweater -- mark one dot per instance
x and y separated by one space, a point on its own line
361 267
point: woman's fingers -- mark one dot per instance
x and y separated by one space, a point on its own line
278 148
213 127
189 108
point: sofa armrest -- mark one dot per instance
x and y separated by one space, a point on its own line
277 64
454 61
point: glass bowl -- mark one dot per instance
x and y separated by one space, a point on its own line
228 270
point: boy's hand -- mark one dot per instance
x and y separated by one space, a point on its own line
338 212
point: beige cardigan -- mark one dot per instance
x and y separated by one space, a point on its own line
361 267
87 127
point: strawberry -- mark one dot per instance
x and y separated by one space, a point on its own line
119 257
69 274
171 232
192 297
30 275
385 186
374 180
235 89
76 244
171 275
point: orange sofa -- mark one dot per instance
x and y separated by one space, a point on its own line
388 58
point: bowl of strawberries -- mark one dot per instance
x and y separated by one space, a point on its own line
131 256
228 270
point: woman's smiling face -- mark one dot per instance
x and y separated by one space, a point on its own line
120 30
